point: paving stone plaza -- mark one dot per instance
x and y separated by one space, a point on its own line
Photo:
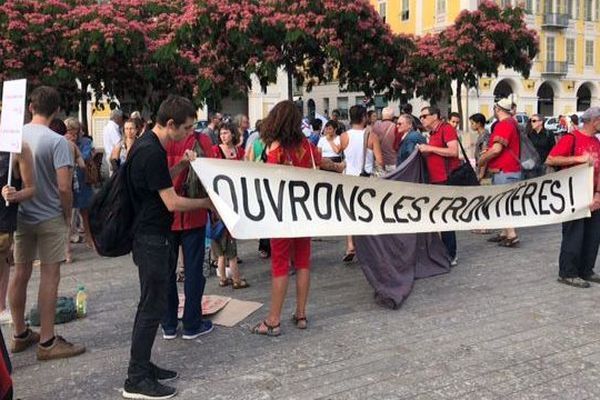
498 326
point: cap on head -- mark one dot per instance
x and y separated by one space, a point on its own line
504 104
590 114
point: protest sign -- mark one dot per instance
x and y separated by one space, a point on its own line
275 201
13 115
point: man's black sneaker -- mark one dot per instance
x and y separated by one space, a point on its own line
147 389
593 278
162 374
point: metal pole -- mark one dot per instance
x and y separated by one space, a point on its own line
10 166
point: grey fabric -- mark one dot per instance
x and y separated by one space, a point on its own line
391 263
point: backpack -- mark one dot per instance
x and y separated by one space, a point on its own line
192 187
529 157
112 215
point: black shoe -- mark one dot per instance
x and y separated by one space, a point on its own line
575 282
162 374
593 278
147 389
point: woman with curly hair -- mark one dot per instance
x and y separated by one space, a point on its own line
225 248
286 144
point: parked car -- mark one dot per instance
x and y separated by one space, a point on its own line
522 118
200 125
551 124
489 123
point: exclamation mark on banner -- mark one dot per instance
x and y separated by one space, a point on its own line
571 196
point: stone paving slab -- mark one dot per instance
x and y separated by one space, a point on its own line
497 327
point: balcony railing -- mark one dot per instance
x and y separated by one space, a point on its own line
554 67
552 20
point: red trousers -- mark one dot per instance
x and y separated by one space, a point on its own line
284 250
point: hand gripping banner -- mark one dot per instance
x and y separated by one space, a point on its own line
276 201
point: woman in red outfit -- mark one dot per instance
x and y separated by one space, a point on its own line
286 144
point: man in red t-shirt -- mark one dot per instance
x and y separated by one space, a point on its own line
501 159
187 232
580 238
441 155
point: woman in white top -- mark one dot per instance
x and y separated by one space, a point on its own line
362 151
329 144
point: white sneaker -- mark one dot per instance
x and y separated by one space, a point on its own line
5 317
454 262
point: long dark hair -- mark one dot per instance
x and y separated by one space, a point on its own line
284 125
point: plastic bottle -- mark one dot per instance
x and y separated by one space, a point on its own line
81 302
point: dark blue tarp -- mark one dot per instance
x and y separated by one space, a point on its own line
391 263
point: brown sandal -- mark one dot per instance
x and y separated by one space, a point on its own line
271 330
300 322
241 284
225 282
349 257
509 242
498 238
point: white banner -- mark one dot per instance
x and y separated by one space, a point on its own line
13 115
275 201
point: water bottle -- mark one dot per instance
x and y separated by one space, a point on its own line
81 302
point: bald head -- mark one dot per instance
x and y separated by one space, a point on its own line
387 113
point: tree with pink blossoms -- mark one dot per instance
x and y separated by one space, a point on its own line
482 41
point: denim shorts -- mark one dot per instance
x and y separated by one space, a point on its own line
503 178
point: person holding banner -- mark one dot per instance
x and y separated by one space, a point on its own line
21 188
581 237
441 155
150 185
363 156
501 159
286 144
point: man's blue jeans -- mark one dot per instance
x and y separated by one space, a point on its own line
192 242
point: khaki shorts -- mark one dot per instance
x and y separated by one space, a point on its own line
5 242
45 241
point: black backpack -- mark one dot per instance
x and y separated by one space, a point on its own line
112 215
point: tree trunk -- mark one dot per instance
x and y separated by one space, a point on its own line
83 99
459 103
290 83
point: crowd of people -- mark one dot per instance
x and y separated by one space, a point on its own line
54 177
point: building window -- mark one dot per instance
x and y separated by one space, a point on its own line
405 12
529 6
506 3
570 51
326 109
571 9
589 53
588 9
383 10
440 7
342 106
550 46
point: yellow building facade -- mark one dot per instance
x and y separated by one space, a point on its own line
565 77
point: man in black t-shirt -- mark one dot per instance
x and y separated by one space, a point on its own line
151 187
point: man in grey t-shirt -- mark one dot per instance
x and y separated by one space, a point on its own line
42 230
